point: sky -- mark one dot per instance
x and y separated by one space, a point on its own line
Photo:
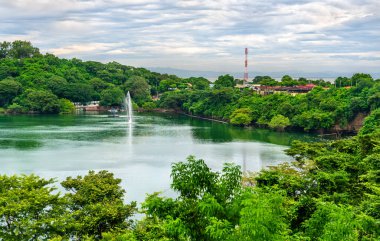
340 36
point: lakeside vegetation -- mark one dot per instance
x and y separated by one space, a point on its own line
31 82
330 192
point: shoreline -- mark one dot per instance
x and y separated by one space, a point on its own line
336 130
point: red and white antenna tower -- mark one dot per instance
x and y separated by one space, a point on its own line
246 66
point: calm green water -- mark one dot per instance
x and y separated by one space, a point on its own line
141 154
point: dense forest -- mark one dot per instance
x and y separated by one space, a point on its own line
31 82
321 108
331 192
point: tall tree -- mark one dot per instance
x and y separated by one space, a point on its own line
138 88
96 204
224 81
9 89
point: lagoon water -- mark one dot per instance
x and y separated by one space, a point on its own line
140 154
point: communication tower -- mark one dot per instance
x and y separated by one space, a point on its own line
246 66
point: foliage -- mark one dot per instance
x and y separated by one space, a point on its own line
241 116
95 204
9 89
112 97
330 192
371 123
66 106
18 50
139 89
23 68
224 81
205 199
262 217
148 106
28 208
279 122
15 108
40 101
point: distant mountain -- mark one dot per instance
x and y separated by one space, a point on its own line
214 74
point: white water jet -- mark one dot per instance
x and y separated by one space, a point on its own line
128 107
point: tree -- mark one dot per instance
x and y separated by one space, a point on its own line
66 106
262 217
331 222
57 85
279 122
265 80
112 97
205 200
99 85
286 80
78 92
371 123
138 88
28 208
96 205
224 81
359 77
198 83
242 116
40 101
9 89
23 49
4 49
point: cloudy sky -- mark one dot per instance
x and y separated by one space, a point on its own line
285 35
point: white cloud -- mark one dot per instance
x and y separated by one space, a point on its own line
336 35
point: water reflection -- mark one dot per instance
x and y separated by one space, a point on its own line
19 144
141 153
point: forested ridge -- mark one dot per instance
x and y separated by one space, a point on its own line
330 192
31 82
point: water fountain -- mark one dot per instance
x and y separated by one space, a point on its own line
128 107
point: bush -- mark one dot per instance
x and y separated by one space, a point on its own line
15 108
66 106
279 122
241 116
148 106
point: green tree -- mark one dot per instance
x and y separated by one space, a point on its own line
28 208
99 85
40 101
262 217
332 223
242 116
15 108
206 199
96 205
57 85
286 80
279 122
66 106
9 89
198 83
78 92
224 81
149 106
138 88
23 49
112 97
4 49
371 123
